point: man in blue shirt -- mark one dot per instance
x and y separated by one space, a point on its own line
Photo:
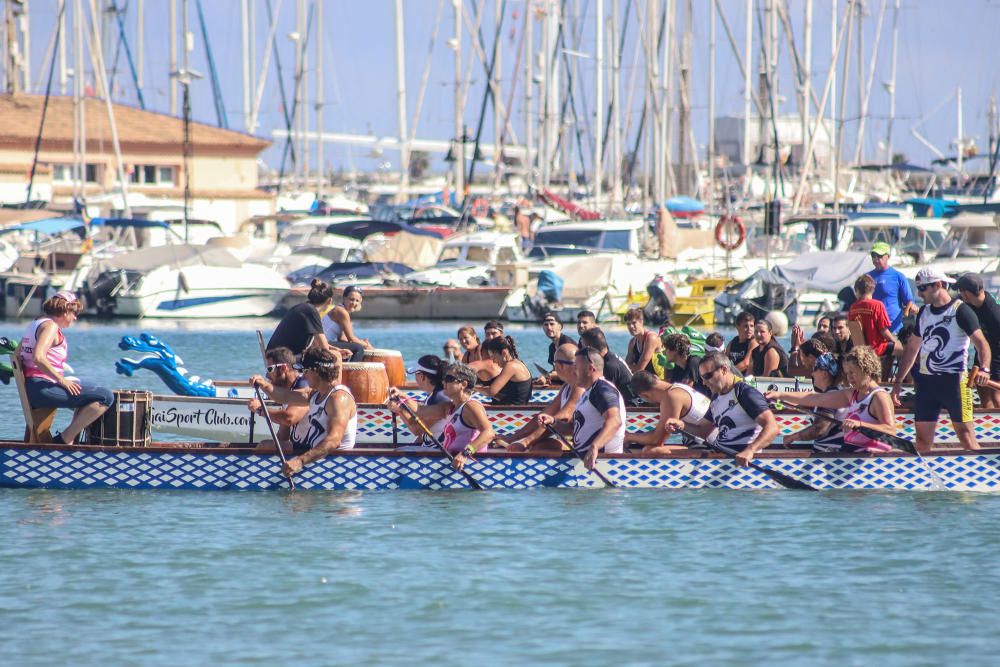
891 287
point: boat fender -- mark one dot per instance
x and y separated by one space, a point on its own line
730 233
182 282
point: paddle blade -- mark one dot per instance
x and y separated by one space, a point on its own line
786 481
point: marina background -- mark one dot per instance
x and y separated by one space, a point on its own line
452 578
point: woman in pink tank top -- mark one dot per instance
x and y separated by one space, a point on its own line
867 404
43 352
467 429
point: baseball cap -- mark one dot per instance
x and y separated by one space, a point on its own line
552 316
970 282
310 365
66 295
932 275
428 364
881 248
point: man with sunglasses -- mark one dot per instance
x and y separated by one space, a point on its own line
945 326
891 287
599 416
738 413
281 374
532 436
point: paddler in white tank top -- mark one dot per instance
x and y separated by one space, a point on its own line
867 403
332 421
676 401
467 429
533 436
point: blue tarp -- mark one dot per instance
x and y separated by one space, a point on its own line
46 226
684 204
361 229
128 222
551 285
931 207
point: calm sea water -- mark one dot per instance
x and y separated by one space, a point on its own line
499 578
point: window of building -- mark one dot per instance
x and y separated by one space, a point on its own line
150 174
63 173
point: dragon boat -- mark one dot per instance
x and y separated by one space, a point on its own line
228 420
222 467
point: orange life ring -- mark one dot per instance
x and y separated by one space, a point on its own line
729 227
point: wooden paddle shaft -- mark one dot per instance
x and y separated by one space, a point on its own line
991 384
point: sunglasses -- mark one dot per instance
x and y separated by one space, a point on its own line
274 367
923 288
709 375
451 378
564 362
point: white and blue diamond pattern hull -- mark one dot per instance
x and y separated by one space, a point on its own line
82 467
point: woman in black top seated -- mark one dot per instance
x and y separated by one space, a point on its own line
301 328
513 385
769 358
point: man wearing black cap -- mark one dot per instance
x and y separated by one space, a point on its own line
973 292
552 325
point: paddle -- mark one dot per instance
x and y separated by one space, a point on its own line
991 384
894 440
274 437
559 436
472 480
781 478
874 434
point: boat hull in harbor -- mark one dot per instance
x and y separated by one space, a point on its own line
203 468
228 420
422 303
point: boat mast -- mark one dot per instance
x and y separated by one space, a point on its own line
598 102
747 93
321 101
245 43
173 57
710 145
891 88
62 46
79 109
529 86
832 78
616 119
959 142
805 78
404 145
849 25
459 153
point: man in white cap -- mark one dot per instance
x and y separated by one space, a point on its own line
945 326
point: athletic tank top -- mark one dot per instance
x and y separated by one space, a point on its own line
699 404
757 365
635 354
515 392
331 329
57 354
563 395
588 418
861 410
458 434
437 428
737 350
311 431
944 345
833 439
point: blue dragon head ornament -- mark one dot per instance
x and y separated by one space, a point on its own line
159 358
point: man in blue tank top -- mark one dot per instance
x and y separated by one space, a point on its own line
891 287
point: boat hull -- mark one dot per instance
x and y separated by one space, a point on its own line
228 420
82 467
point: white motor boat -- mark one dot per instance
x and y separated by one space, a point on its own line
470 259
184 281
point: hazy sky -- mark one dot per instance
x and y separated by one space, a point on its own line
943 45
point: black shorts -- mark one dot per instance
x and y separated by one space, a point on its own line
942 392
995 369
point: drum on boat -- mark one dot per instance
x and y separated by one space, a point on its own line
393 362
368 381
127 423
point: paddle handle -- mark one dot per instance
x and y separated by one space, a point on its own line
559 436
991 384
420 422
274 436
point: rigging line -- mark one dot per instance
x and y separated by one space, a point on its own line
466 83
425 77
482 113
220 109
569 101
496 96
123 39
45 107
612 100
295 102
281 81
502 141
776 171
642 118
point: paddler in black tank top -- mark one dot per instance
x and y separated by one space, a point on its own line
743 344
769 358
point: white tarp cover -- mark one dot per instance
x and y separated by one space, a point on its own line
825 271
413 250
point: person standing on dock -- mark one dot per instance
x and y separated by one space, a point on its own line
891 287
973 292
945 326
875 323
599 417
739 413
